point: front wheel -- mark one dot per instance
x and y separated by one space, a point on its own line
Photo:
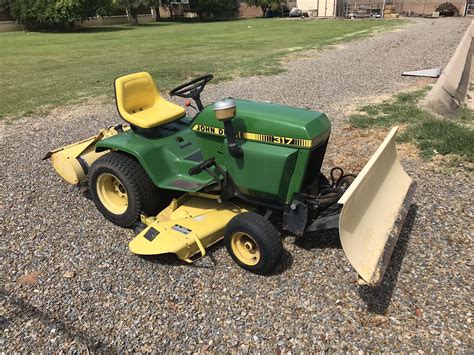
121 189
253 243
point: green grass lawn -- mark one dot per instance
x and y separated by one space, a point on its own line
44 69
430 133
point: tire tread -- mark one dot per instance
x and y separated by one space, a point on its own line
143 188
257 227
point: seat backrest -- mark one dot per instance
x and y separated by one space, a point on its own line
135 92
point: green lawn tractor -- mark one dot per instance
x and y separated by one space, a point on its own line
183 183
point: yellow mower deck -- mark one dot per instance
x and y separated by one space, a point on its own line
186 227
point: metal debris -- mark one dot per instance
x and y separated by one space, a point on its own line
426 73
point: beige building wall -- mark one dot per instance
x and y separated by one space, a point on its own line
426 7
417 7
112 20
249 11
319 8
9 26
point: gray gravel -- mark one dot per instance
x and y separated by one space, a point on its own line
116 301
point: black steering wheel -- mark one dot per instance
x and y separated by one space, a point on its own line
192 89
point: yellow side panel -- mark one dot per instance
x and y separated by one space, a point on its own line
65 160
192 227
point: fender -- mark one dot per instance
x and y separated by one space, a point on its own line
166 159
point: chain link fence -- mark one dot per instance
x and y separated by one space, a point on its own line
367 8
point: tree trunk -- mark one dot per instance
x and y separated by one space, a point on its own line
264 9
134 13
129 16
158 16
155 14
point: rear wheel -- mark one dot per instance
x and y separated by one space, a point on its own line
121 189
254 243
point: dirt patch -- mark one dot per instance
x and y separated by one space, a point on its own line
80 108
353 107
450 163
408 150
353 147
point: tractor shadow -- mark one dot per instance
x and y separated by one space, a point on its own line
83 188
170 259
327 239
211 260
378 298
312 240
286 264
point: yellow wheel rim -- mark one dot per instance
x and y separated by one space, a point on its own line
112 193
245 248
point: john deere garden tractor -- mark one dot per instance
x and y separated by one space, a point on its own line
184 182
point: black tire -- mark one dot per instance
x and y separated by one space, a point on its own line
263 234
142 194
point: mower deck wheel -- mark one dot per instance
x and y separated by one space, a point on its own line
253 243
121 189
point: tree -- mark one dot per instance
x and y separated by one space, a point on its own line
447 9
47 14
131 6
4 6
156 4
214 8
168 4
264 4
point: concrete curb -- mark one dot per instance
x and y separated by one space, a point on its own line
451 88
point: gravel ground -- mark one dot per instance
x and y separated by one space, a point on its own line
85 290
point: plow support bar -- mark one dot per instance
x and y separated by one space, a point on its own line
374 210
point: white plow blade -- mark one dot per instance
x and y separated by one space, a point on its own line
374 209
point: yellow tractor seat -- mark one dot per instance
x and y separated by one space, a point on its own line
139 102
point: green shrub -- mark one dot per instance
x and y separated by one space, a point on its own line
214 8
447 8
54 14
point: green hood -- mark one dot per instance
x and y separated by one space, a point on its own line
270 119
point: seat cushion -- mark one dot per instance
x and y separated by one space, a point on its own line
162 112
139 102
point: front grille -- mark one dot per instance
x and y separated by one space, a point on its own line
314 164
